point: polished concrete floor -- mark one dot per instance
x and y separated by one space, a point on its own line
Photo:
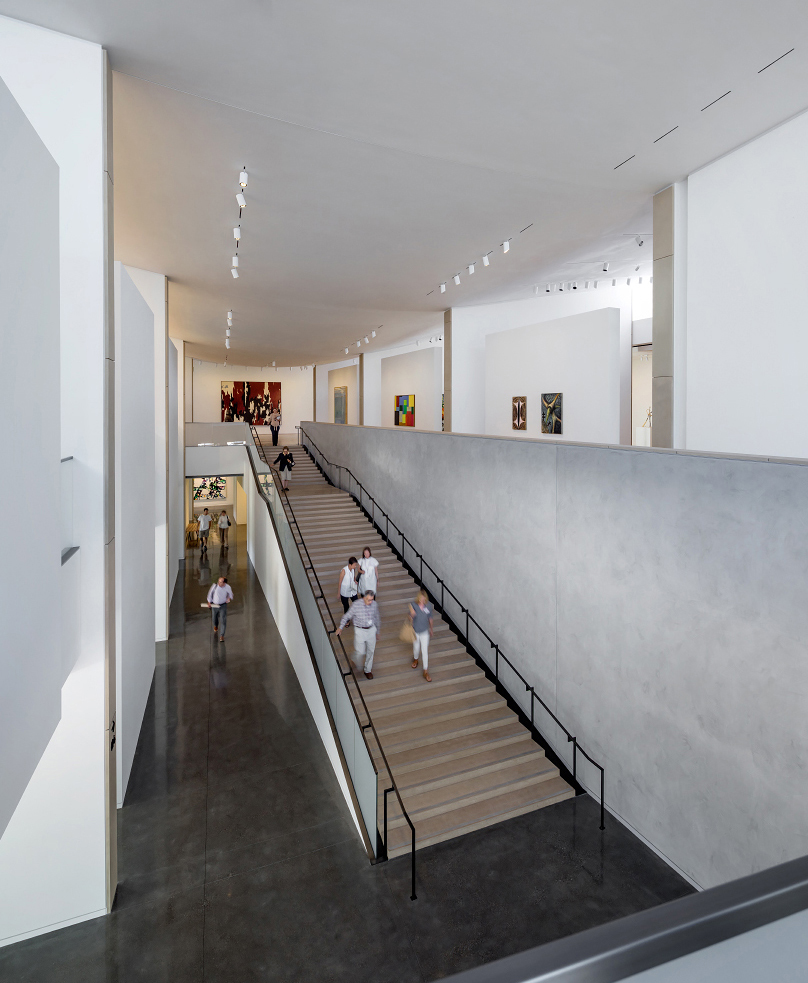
238 861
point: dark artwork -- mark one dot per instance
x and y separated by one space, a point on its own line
519 421
551 413
250 402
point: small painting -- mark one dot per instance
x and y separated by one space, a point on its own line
552 413
250 402
210 489
519 419
404 411
340 404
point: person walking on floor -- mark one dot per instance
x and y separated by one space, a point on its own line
220 593
347 583
421 613
367 626
287 462
369 575
275 426
204 530
224 525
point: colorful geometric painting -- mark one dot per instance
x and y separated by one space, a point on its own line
404 411
250 402
340 404
551 413
209 489
519 420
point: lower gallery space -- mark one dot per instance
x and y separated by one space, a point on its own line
239 860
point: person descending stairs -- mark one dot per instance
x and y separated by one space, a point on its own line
460 756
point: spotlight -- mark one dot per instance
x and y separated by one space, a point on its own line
346 351
547 289
457 279
242 179
586 285
443 288
237 233
561 288
535 288
605 267
230 313
242 201
506 245
486 261
235 261
226 342
628 281
595 284
471 267
235 273
367 340
227 332
638 240
640 281
372 334
574 284
273 365
636 269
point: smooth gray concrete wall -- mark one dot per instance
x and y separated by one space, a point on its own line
655 599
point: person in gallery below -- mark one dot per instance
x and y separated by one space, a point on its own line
275 426
367 626
204 529
369 572
347 583
221 594
287 462
421 613
224 526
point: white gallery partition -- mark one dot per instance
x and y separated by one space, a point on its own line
655 600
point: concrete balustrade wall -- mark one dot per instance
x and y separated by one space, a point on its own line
656 600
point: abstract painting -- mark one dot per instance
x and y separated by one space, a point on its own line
340 404
552 413
209 489
404 411
250 402
519 419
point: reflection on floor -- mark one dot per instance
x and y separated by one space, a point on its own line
238 860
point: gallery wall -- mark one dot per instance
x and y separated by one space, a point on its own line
471 326
348 376
664 623
577 356
53 851
746 343
418 373
136 430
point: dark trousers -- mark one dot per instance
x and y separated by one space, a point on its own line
347 601
275 432
220 619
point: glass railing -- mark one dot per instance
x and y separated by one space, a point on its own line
350 729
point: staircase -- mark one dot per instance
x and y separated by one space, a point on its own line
460 757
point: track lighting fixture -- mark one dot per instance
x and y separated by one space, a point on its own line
586 285
457 279
346 351
486 261
367 340
471 268
229 317
614 283
242 201
605 267
443 288
535 288
636 269
242 179
273 365
226 342
237 233
638 240
640 281
506 245
628 281
235 261
234 271
227 332
547 289
561 288
575 285
595 284
372 334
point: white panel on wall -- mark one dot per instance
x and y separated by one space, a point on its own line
578 356
134 514
30 654
176 442
419 374
747 253
325 394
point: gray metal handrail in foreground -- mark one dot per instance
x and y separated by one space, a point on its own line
375 513
623 948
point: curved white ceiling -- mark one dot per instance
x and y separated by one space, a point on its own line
390 145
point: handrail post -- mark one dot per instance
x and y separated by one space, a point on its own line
468 643
602 804
496 664
413 896
442 605
575 759
387 791
421 578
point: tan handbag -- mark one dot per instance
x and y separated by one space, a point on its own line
407 633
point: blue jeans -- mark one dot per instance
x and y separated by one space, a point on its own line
220 619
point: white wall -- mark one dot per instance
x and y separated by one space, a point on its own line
373 377
30 653
296 391
325 392
747 255
346 376
471 325
578 356
135 467
418 373
53 852
176 467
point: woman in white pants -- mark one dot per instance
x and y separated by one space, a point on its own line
369 577
421 617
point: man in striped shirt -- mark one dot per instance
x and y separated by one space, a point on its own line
367 624
221 594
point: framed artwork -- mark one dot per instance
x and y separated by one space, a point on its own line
210 489
250 402
552 420
519 413
404 415
340 404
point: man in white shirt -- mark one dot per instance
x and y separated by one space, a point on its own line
204 529
220 593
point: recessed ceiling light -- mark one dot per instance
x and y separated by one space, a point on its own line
242 179
242 201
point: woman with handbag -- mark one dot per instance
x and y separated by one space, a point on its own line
224 525
420 613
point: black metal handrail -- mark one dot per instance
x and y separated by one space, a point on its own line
332 635
470 619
